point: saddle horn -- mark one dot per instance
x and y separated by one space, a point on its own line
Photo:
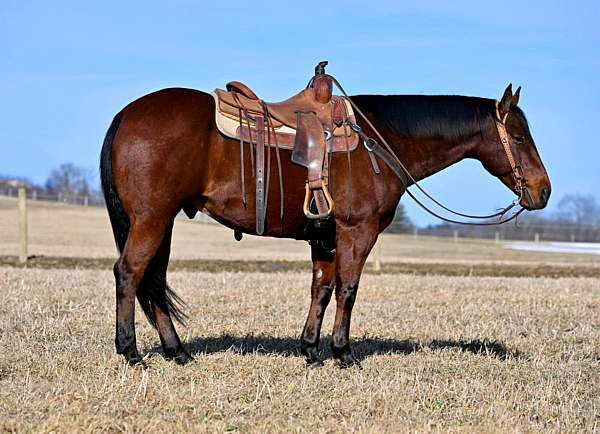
322 83
320 68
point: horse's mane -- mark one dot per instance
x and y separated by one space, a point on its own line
453 118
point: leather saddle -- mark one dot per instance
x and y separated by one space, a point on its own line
313 123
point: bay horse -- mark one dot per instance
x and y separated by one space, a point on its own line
163 153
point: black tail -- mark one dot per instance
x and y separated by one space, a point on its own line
153 289
118 218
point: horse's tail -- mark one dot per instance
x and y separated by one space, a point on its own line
153 288
118 217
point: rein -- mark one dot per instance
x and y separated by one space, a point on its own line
393 162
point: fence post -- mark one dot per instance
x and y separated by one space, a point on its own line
416 234
85 201
455 236
22 225
537 237
34 195
377 256
497 237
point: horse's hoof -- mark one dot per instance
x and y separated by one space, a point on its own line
137 362
347 360
344 364
183 358
312 358
134 359
314 364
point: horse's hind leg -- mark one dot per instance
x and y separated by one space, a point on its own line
156 281
321 290
143 241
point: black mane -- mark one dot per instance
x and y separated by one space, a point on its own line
452 118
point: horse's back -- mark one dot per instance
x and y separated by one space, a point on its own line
170 109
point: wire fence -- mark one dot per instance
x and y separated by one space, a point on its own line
74 199
43 195
524 231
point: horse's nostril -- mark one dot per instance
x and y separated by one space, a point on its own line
544 195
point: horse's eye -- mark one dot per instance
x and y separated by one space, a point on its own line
518 139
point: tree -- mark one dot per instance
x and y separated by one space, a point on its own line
401 222
69 179
579 209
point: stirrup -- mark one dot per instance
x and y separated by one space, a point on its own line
330 204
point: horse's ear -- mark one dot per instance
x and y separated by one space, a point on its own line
515 98
504 104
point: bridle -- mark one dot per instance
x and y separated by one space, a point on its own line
387 154
517 170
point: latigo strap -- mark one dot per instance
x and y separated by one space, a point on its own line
260 175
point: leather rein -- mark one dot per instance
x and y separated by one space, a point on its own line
395 164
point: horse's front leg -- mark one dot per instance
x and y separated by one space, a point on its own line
353 246
323 283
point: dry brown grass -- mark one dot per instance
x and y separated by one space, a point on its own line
439 353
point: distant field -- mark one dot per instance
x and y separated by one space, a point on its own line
448 340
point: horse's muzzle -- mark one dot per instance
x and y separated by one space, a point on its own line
530 204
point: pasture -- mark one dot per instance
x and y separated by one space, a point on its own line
465 336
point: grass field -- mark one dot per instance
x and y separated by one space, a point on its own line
441 350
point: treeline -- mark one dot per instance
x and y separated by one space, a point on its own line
401 223
66 183
576 219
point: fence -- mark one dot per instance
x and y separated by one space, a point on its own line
38 194
528 230
524 231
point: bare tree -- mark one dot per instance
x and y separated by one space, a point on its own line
69 179
579 209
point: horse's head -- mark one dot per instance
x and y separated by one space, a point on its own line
510 153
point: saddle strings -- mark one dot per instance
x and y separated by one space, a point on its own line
243 180
271 129
499 214
348 157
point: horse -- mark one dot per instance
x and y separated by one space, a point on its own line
163 154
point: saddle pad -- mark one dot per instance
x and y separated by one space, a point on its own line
229 126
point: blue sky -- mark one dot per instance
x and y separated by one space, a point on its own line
66 67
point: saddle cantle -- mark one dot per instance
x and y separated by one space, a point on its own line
312 123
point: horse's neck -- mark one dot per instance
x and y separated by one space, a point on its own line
425 157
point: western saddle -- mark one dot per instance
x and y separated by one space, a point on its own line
313 124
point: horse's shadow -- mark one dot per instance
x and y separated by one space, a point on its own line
362 347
